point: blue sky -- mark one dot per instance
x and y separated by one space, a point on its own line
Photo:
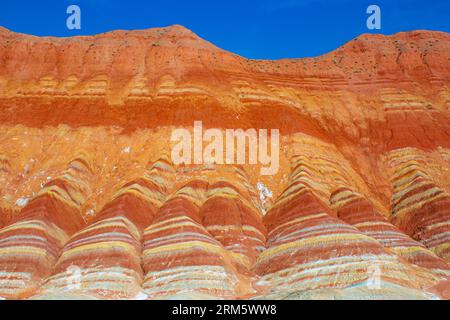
258 29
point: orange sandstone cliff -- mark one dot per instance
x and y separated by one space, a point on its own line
91 205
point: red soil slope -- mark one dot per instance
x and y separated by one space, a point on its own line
91 206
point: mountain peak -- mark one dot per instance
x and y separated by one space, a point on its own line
357 135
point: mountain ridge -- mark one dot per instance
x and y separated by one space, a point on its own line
181 30
88 186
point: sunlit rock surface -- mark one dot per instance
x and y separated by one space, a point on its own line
93 207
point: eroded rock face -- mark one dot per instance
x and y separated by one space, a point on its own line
359 212
92 206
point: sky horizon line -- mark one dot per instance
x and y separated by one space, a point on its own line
256 29
207 40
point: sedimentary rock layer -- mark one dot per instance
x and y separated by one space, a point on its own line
360 212
93 207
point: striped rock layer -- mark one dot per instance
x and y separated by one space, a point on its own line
92 207
419 206
359 212
103 259
313 254
32 244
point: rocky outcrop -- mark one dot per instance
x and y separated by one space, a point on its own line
92 207
360 212
419 206
310 250
181 259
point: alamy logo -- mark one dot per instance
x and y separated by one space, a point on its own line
73 279
374 20
374 277
74 20
227 146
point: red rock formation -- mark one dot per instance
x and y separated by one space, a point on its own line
312 254
359 212
29 250
32 244
104 259
240 230
139 199
419 206
83 215
181 259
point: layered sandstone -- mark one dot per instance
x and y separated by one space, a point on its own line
91 205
